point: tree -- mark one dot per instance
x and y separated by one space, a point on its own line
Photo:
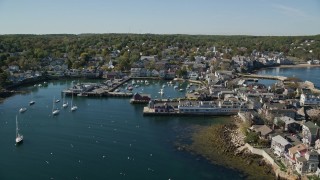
3 77
252 137
150 65
281 124
182 72
123 63
85 56
192 58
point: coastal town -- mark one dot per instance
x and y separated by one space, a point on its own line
279 121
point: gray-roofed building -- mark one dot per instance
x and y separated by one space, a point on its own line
290 124
263 130
308 163
279 145
274 105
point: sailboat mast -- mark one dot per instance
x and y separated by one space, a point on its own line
53 104
72 99
17 128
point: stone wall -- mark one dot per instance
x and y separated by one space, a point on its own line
269 159
262 153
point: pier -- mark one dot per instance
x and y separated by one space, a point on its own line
257 76
151 112
98 90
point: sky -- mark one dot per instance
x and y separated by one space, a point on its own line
211 17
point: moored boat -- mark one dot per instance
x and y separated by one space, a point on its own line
19 137
55 111
22 110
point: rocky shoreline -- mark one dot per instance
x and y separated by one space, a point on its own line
220 144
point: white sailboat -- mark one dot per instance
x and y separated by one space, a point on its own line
54 111
64 104
19 137
32 102
161 91
73 107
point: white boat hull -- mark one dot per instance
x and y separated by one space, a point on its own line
55 112
22 110
74 108
19 139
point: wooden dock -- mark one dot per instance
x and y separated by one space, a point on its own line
120 94
118 85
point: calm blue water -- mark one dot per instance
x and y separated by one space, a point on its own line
304 73
106 138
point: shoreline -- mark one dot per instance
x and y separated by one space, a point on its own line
287 66
299 65
223 144
220 144
290 66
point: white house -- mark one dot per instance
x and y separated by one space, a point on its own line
279 145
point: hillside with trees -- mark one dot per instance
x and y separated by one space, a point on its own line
30 51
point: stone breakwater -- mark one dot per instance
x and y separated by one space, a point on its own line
236 136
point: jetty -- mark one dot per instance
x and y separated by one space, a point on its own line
257 76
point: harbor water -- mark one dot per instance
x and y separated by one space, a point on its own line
303 73
106 138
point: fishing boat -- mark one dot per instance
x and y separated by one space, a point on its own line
54 111
19 137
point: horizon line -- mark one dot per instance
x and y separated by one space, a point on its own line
78 34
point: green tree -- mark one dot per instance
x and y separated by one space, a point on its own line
251 137
182 72
84 56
